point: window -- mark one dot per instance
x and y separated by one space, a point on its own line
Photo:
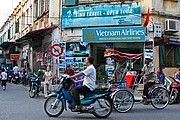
30 18
23 20
9 33
36 14
169 55
42 7
17 26
1 40
27 17
47 4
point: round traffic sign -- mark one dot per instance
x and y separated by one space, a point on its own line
56 50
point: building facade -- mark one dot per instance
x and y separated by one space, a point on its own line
162 14
37 24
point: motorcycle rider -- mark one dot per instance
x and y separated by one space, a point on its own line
177 75
89 82
16 69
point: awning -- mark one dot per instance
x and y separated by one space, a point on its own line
174 42
6 45
120 56
36 33
166 41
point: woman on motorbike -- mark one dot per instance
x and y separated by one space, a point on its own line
177 75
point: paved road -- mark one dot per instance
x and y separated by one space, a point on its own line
15 104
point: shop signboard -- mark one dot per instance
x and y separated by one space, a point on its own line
15 56
114 34
102 15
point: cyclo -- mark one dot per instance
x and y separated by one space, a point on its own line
123 98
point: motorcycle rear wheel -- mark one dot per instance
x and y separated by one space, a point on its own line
102 103
53 107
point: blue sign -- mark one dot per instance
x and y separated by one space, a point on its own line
116 34
102 15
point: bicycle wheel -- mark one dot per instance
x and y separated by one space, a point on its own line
159 98
123 101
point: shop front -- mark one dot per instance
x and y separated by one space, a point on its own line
167 51
130 39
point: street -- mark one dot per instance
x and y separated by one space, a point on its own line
15 104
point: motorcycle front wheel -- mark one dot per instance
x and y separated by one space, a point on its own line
173 97
53 107
102 108
32 92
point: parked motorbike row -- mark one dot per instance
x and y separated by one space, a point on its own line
16 79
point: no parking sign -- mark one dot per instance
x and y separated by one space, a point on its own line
56 50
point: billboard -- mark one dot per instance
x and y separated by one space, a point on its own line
114 34
102 15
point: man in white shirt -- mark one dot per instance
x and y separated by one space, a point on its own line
89 82
16 69
4 79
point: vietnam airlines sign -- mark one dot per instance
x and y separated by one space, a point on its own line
116 34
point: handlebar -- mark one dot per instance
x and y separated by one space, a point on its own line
174 79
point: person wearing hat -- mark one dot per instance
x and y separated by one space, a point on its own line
148 73
68 70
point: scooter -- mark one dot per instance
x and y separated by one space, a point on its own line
16 78
35 86
97 103
10 77
174 91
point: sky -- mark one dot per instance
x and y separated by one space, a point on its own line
6 9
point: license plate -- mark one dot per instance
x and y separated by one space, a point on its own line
16 76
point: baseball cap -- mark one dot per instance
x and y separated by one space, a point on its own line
148 57
68 65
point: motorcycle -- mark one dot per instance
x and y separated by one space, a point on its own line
97 103
16 78
10 77
174 91
35 86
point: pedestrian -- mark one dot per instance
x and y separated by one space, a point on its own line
160 75
48 76
148 73
68 70
4 79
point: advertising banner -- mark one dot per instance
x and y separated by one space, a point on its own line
102 15
116 34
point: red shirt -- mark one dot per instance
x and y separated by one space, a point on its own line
69 72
